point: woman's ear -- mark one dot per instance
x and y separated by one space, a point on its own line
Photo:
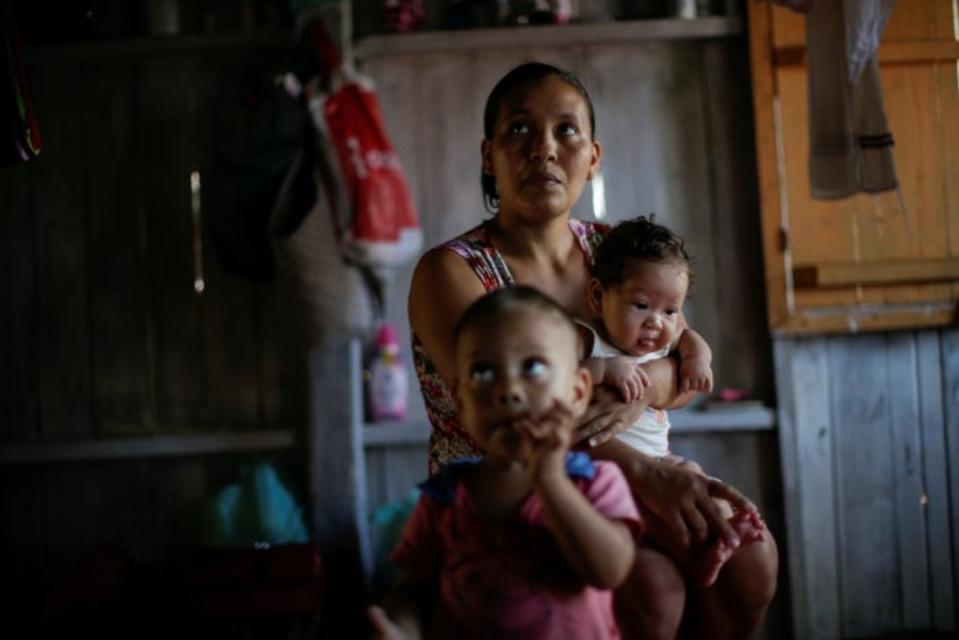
594 292
486 154
594 165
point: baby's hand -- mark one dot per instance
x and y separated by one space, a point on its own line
624 374
383 627
695 374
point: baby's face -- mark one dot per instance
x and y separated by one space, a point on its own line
516 367
642 313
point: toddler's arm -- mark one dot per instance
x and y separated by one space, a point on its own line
600 549
405 610
621 373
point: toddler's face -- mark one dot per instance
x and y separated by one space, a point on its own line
642 313
517 367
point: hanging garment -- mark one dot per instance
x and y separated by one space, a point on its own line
851 145
19 134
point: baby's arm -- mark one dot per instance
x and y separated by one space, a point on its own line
620 372
695 360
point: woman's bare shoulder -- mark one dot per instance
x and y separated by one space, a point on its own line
443 283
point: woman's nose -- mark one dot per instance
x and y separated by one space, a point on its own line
544 147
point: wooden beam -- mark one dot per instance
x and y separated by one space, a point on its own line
177 446
549 35
845 274
894 52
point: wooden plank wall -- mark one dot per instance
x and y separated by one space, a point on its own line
104 333
868 433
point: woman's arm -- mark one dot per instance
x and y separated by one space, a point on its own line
443 286
608 415
680 498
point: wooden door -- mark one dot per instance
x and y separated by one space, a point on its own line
864 262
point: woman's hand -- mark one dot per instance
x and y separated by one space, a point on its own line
606 417
685 501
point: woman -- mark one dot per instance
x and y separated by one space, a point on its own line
538 152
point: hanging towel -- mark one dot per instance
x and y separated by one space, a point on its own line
850 142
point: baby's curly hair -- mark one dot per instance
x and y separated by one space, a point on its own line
638 239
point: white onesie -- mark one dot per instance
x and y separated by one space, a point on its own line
650 433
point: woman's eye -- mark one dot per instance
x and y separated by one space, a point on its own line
518 127
481 373
534 367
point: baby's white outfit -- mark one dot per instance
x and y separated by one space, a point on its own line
650 433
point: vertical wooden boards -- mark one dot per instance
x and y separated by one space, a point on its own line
935 432
869 481
862 462
907 459
744 351
19 350
806 445
230 331
177 307
119 290
63 310
950 367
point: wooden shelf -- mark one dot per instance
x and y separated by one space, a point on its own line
158 45
716 418
549 35
156 447
387 434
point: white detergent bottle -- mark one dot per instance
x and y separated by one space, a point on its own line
388 378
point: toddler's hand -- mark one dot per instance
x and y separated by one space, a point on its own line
550 436
695 374
628 377
383 627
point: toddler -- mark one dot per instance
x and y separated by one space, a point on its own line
641 276
529 540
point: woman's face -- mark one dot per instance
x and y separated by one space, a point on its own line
542 152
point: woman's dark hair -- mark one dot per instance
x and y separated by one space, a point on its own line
521 76
637 239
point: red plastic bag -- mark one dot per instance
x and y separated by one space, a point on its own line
374 214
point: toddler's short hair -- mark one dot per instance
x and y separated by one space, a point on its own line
492 306
637 239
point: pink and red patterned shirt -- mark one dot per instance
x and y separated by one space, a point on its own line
448 440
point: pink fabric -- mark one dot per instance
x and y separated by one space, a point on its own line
510 579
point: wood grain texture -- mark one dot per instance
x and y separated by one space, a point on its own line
807 442
119 287
177 312
20 351
935 458
907 478
62 259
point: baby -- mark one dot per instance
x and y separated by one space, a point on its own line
528 541
641 276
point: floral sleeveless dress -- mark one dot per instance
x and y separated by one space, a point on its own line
448 440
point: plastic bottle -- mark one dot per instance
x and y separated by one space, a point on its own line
388 378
